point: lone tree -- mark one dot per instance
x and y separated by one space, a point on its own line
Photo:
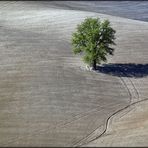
93 39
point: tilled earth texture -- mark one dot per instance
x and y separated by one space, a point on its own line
48 98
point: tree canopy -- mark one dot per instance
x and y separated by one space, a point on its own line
92 39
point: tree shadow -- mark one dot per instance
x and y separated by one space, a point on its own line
124 70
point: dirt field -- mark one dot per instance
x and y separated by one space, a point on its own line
47 98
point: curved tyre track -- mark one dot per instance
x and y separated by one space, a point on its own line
91 137
119 115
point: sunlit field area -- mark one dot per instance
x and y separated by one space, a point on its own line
49 98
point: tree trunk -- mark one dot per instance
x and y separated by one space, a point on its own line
94 64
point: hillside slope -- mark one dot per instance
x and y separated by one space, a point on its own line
46 96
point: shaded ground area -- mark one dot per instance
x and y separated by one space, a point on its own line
125 70
137 10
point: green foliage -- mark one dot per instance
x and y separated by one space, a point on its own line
93 39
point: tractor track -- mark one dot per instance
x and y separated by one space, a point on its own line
108 120
84 140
